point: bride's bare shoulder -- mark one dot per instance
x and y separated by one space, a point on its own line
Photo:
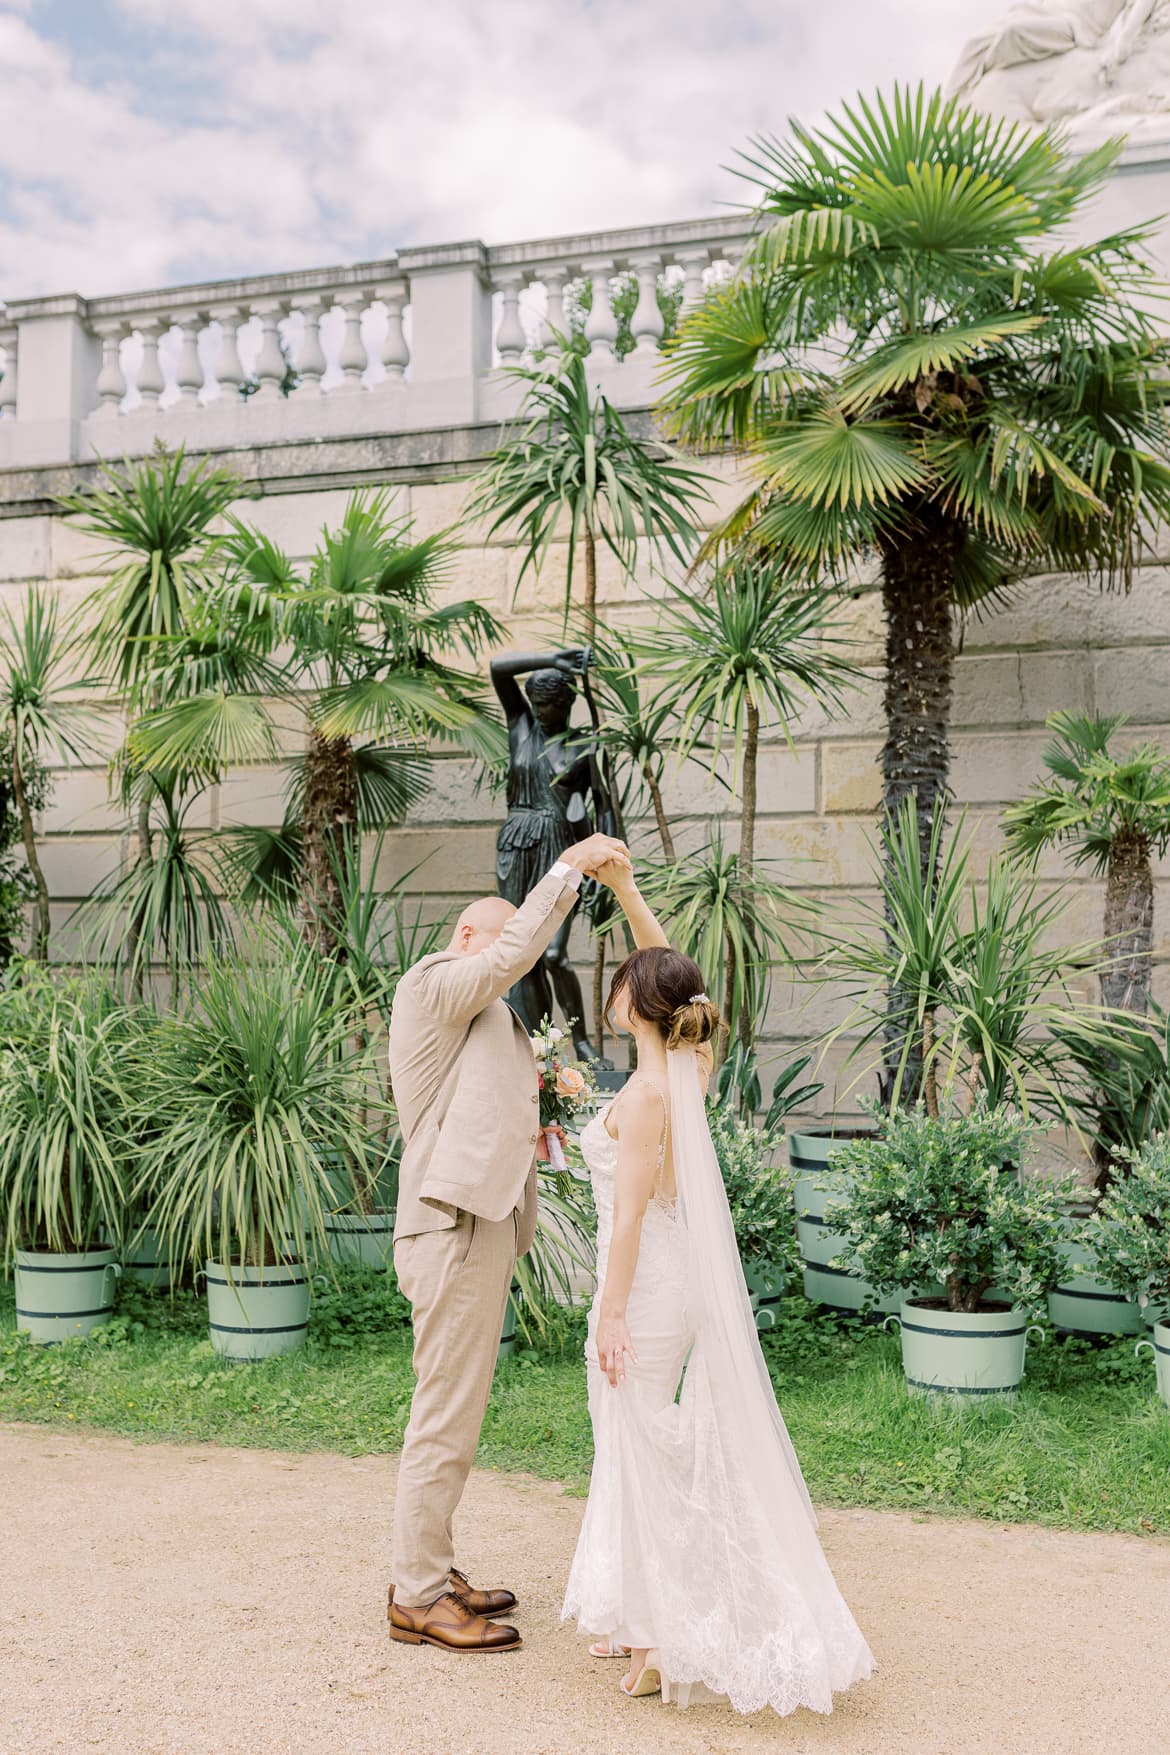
638 1110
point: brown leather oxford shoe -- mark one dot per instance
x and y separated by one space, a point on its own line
483 1602
451 1625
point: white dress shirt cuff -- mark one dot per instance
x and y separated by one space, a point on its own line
568 873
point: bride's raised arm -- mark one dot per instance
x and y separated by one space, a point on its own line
644 923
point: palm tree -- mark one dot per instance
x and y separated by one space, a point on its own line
918 371
751 645
366 658
1113 813
637 732
572 468
734 932
37 715
158 521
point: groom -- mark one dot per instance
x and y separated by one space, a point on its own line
464 1080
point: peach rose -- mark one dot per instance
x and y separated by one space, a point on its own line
571 1082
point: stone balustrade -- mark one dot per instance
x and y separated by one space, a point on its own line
419 340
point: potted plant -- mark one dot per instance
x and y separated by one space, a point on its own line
943 1201
1129 1240
984 1000
61 1189
760 1197
253 1084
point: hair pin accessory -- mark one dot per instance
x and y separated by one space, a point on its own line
699 999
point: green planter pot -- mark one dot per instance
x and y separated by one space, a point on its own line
815 1186
508 1336
262 1311
146 1262
765 1282
361 1239
1160 1345
977 1355
1084 1304
62 1295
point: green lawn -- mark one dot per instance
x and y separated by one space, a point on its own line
1086 1446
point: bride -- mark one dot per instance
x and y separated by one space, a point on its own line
698 1556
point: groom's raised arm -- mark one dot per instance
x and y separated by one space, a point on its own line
458 989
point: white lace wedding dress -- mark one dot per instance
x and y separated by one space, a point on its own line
699 1539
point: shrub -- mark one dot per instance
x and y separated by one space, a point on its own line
759 1194
1129 1234
943 1201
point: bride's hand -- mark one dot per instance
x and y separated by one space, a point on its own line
614 1347
615 876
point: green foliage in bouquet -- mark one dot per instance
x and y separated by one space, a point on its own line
943 1200
1130 1232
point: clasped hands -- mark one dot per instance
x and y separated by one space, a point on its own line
600 856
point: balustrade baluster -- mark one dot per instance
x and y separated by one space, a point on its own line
229 367
395 353
271 365
189 371
111 380
353 358
553 322
601 324
511 340
692 263
8 339
311 362
151 382
646 323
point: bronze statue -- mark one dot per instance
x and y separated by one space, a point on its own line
554 778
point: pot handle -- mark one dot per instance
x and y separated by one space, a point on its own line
1142 1344
115 1268
1034 1328
892 1317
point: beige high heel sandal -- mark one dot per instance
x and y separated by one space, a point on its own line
649 1680
605 1648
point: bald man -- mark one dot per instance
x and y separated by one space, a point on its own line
464 1081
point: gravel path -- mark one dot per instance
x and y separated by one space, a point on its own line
168 1600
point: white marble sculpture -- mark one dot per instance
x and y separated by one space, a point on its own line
1099 67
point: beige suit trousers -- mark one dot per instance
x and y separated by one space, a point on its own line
457 1281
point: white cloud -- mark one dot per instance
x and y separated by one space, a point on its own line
225 136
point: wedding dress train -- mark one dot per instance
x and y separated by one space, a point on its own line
699 1539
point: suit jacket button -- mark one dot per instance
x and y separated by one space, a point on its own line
536 1096
532 1139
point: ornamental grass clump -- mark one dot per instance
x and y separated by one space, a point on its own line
941 1203
1129 1234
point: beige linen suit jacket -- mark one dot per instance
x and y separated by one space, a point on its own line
464 1077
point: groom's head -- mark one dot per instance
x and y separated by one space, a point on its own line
480 925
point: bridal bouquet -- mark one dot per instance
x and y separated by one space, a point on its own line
565 1087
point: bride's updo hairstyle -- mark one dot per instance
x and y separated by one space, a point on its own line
663 987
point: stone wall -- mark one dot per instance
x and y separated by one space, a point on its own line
1062 644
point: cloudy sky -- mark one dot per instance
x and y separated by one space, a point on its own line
146 142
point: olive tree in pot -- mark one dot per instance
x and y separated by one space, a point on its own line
758 1190
61 1185
943 1201
253 1085
1129 1241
